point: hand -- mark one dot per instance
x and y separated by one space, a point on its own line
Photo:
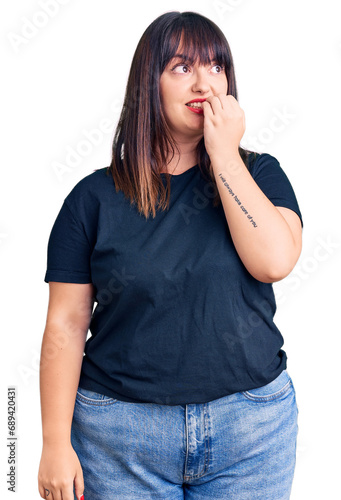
59 468
224 125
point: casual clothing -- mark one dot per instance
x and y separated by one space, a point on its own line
179 320
241 446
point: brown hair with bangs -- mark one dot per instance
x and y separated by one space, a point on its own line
142 141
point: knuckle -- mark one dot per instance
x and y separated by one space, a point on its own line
66 481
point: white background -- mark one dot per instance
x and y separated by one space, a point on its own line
65 77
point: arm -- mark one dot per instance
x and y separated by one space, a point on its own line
268 239
68 318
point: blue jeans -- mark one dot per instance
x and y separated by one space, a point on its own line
238 447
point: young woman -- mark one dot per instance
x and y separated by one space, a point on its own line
183 390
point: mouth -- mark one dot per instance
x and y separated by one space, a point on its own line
196 106
196 103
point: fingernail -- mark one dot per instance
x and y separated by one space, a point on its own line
82 497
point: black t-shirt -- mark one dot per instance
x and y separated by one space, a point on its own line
178 319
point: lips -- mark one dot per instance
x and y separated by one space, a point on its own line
197 100
196 106
196 103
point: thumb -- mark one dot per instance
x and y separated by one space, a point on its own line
79 484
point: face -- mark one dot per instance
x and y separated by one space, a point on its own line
181 83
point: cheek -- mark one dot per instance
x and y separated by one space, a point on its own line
165 97
169 103
223 85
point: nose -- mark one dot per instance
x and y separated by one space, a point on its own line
200 80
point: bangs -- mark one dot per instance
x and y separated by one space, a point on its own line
194 38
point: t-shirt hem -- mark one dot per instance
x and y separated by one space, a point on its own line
66 277
288 205
92 385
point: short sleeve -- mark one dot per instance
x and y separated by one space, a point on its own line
272 180
68 250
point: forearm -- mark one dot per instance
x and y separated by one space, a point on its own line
60 365
261 235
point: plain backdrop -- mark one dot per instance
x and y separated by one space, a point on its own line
64 69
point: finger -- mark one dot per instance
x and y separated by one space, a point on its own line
67 493
232 104
224 100
54 495
231 99
215 104
46 492
207 109
41 491
79 483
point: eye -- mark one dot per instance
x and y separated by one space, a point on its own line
181 65
221 68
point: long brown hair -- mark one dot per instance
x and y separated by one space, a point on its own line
142 141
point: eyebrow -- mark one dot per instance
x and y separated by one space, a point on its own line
180 56
184 57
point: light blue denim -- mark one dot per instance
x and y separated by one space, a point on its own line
238 447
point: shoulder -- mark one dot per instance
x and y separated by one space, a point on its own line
266 168
260 161
91 184
91 188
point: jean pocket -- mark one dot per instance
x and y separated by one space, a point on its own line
276 389
93 398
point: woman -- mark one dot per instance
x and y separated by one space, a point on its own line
183 390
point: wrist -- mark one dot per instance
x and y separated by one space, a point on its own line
229 162
57 439
56 444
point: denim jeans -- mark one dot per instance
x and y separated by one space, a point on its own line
238 447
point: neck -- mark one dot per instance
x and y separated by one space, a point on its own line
183 161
